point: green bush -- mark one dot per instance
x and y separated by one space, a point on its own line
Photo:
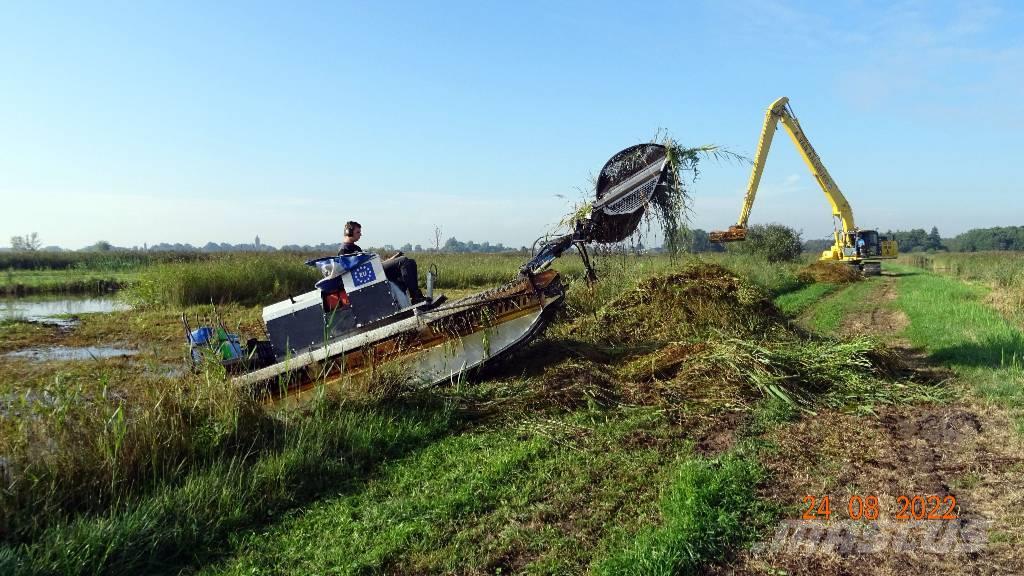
773 242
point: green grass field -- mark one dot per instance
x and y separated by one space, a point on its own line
1002 272
953 322
827 317
592 451
796 301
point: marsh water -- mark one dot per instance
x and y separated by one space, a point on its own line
60 311
54 310
69 353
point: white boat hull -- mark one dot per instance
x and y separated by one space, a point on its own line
437 346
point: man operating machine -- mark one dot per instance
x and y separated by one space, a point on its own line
398 268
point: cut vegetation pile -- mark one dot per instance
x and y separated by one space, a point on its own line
705 333
829 272
699 299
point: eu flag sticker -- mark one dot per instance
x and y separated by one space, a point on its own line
363 274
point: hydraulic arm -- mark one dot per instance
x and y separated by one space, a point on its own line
846 233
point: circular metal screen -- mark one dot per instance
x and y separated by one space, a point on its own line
631 176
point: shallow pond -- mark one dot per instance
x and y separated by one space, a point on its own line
71 353
50 310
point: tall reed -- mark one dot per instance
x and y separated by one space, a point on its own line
243 278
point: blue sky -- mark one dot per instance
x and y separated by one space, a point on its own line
186 122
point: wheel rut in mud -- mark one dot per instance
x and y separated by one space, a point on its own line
962 450
878 317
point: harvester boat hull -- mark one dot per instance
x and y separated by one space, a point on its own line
425 349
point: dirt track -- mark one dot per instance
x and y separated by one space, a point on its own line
960 449
880 318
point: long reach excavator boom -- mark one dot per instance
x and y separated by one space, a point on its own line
846 233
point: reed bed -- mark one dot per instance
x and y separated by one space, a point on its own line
172 279
248 279
1002 269
118 260
264 278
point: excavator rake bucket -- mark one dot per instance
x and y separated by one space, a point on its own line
733 234
626 185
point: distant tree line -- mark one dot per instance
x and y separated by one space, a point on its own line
977 239
453 245
696 241
917 240
26 243
817 245
208 247
92 260
998 238
914 240
32 243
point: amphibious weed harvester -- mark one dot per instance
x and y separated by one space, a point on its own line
357 323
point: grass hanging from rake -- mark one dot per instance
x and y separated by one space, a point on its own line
673 202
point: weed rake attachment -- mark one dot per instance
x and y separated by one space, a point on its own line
625 187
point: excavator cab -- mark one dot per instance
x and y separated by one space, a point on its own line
875 245
871 247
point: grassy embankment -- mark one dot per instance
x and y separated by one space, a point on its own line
949 329
586 492
958 325
557 462
1001 272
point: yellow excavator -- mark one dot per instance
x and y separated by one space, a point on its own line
855 246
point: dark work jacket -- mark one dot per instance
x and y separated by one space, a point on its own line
348 248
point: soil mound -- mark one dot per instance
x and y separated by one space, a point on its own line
830 272
700 300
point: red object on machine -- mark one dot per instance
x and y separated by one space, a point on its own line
335 300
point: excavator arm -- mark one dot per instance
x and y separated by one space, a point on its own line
781 111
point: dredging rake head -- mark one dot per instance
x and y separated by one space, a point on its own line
625 187
733 234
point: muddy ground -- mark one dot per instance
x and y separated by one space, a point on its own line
959 449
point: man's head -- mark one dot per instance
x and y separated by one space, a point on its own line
353 230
